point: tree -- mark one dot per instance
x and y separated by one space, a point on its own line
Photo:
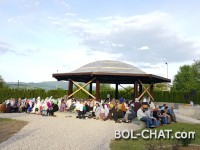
187 78
161 87
196 70
105 87
2 82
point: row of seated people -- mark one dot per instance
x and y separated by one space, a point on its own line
117 110
155 116
45 107
125 111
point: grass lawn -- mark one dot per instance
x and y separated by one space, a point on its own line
8 127
140 144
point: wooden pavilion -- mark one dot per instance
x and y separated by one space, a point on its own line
112 72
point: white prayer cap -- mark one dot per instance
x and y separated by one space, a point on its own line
137 99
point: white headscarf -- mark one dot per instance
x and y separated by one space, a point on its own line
144 100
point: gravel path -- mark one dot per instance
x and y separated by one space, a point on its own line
62 132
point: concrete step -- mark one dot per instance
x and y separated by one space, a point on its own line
185 119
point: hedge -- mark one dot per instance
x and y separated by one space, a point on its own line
159 96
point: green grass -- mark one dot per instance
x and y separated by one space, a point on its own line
6 120
140 143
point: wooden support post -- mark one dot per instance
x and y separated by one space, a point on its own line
136 89
97 89
70 87
90 90
140 89
151 91
116 91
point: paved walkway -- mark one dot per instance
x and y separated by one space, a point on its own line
62 133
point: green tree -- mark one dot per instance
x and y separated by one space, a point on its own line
2 83
196 71
162 87
105 87
187 78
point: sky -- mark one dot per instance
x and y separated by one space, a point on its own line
38 37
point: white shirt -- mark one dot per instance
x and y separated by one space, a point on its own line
77 106
102 110
191 103
152 105
81 107
98 111
148 113
140 114
106 111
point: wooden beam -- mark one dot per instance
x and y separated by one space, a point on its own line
143 92
126 88
151 91
82 88
146 90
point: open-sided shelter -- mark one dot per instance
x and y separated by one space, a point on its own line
112 72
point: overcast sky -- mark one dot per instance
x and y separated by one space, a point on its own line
39 37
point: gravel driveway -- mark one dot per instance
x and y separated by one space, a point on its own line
62 133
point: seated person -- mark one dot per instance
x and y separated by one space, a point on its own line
97 111
130 114
163 107
164 112
145 104
152 105
143 117
192 103
170 112
102 114
163 118
117 113
149 113
160 118
121 107
81 111
109 110
71 107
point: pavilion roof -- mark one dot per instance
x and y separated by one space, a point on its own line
109 71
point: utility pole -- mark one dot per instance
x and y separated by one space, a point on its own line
167 68
18 84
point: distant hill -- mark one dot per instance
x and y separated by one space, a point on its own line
47 85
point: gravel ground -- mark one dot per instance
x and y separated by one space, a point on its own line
62 132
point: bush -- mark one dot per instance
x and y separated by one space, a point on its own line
159 96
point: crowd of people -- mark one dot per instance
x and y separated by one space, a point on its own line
44 107
154 116
109 109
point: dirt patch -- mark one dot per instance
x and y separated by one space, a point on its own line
190 147
8 127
